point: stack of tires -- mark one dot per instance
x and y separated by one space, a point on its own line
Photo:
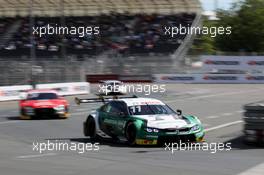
254 122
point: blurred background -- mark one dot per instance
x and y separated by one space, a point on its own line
131 39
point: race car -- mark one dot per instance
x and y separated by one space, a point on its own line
254 123
112 87
140 121
43 104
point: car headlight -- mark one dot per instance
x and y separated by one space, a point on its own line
152 130
195 128
149 130
155 130
60 108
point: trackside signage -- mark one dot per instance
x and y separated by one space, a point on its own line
224 78
67 88
233 63
175 78
14 92
209 78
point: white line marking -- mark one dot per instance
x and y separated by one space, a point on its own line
257 170
226 114
213 116
36 155
223 125
7 122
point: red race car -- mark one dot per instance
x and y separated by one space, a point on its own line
43 104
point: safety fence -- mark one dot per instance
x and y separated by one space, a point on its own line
15 92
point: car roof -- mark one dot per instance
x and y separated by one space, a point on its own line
141 101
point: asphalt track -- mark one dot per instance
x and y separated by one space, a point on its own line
218 106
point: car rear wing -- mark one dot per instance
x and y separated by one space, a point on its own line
101 99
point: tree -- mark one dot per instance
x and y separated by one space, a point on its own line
247 22
204 44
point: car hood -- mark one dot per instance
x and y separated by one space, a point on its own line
43 103
165 121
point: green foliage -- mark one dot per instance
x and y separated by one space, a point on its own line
247 21
247 24
204 44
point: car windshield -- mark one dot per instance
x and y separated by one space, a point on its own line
42 96
150 110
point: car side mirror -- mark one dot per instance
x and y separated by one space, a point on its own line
179 112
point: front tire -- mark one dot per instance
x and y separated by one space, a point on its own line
23 116
131 133
90 128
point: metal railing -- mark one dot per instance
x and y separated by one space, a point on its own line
15 72
20 72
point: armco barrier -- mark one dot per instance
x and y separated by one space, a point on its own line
13 92
210 78
67 88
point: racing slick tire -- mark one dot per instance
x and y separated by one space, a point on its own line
90 128
131 133
23 116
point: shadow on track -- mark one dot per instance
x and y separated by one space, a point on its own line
239 143
13 118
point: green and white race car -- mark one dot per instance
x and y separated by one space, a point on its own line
140 121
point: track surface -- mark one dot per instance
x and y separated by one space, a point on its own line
218 106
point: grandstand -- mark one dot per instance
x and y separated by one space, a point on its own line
129 29
52 8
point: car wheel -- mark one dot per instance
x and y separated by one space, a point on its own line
90 128
131 133
23 116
